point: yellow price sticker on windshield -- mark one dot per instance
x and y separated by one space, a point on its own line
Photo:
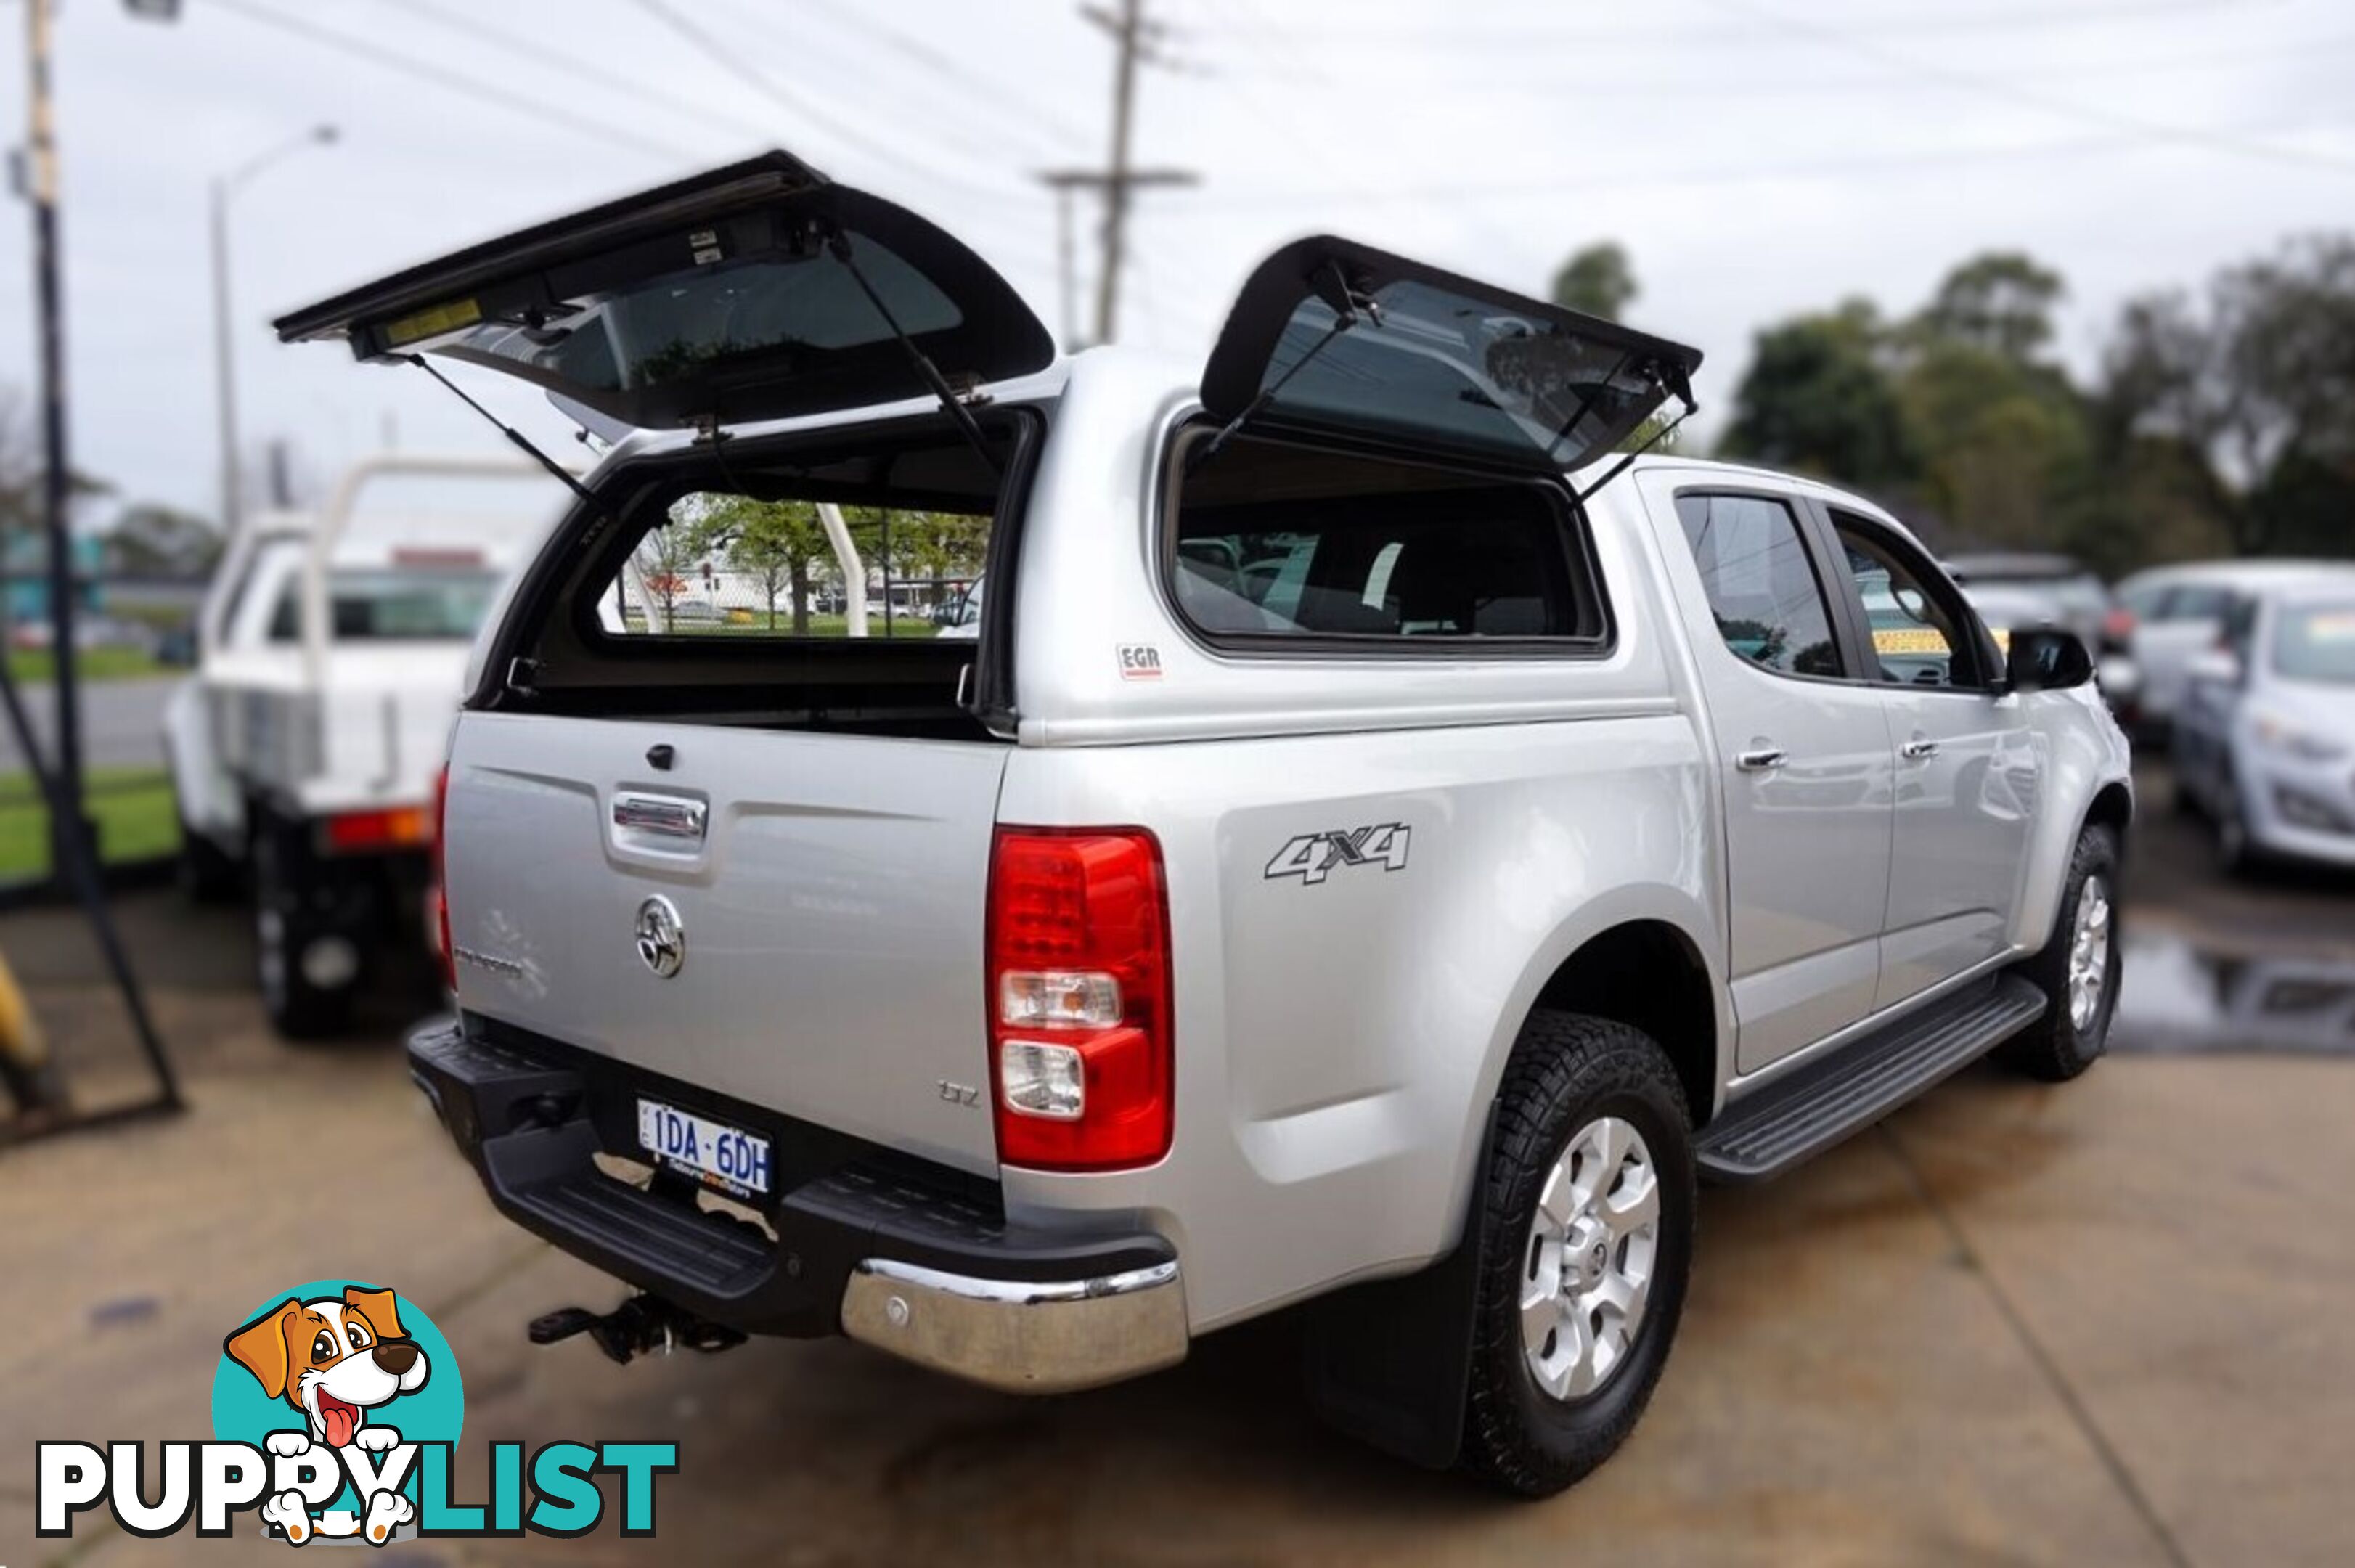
2338 626
1903 640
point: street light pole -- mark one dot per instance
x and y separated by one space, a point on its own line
224 186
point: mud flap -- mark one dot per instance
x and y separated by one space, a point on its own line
1389 1362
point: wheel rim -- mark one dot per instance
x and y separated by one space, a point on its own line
1586 1276
2089 955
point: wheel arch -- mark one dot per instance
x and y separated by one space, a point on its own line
1644 959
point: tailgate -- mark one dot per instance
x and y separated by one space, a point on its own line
830 893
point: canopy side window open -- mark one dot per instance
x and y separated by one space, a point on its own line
1337 338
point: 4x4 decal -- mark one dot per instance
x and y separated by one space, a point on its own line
1312 857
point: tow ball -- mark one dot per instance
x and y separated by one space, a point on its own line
639 1325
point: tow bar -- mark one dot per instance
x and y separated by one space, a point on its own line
639 1325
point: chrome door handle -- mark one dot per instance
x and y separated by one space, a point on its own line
1914 750
667 817
1765 759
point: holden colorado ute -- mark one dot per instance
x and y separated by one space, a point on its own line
1386 844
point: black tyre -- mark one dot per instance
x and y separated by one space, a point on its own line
307 986
2077 970
207 875
1586 1219
2236 854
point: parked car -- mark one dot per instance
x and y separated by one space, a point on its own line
2080 599
2265 739
961 616
2005 606
1407 936
304 745
2178 614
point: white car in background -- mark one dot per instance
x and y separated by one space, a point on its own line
963 619
304 745
2179 612
2007 606
2265 739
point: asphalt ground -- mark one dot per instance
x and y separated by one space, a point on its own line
2108 1323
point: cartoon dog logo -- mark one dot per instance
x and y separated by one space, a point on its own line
335 1359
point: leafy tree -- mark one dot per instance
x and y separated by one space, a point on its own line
1817 398
777 543
2254 383
2001 303
660 563
1599 280
148 540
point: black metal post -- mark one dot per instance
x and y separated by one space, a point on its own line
79 870
68 828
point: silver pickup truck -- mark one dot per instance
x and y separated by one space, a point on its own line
1385 846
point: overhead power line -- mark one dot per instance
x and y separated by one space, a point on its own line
1891 23
1650 176
1755 84
500 95
536 48
731 58
2028 97
980 87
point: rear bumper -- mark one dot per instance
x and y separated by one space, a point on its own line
913 1259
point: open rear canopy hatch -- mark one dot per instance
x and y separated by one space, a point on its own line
758 291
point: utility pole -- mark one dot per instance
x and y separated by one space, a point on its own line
1135 36
68 833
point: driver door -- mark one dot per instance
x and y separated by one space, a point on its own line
1968 768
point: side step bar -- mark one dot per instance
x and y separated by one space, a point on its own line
1774 1129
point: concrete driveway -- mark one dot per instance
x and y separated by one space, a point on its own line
2111 1323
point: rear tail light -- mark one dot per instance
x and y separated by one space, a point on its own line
394 827
2117 630
437 894
1081 1054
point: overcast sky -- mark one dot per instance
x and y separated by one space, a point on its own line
1758 157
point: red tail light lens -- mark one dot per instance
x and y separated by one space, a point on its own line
395 828
1081 1054
438 895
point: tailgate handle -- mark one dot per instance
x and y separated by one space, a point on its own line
666 815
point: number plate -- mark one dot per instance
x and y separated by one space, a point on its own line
724 1157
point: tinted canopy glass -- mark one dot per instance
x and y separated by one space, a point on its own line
739 294
1430 360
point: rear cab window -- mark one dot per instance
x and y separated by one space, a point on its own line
1279 545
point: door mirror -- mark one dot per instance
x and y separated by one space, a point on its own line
2217 666
2046 658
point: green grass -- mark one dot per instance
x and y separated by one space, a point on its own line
132 807
902 626
91 664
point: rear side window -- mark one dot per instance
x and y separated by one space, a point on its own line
1763 591
723 563
1293 545
2196 603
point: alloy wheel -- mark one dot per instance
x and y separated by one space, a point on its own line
1587 1274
